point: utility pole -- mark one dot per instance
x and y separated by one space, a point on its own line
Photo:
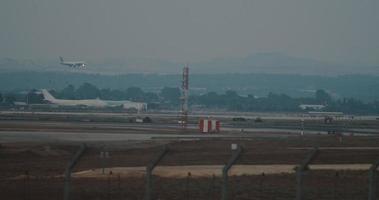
184 97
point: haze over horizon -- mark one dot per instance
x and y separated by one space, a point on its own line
337 32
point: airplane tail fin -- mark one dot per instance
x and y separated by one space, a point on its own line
47 96
61 59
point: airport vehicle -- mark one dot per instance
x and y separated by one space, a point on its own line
97 103
73 64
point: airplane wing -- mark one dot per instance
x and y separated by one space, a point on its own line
68 64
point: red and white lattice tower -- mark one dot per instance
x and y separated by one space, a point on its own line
184 97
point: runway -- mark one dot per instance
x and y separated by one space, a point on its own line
26 126
119 136
58 131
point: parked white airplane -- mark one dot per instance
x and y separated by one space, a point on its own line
73 64
97 103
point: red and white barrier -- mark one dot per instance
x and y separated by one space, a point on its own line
209 126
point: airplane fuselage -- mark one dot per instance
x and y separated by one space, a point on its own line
85 102
98 103
74 64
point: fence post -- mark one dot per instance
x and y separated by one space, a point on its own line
373 175
301 169
261 186
149 169
225 171
26 186
70 166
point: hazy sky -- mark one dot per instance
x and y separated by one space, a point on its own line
341 31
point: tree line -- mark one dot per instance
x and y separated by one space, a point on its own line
169 98
361 87
283 103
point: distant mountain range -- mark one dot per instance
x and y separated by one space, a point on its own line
266 63
271 63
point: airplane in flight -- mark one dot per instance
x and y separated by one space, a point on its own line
73 64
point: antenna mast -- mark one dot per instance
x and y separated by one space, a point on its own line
184 97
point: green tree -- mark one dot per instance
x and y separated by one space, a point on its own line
171 95
150 97
134 94
9 99
68 92
211 99
87 91
33 97
322 97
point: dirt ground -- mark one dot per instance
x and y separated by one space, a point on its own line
34 170
344 185
200 171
